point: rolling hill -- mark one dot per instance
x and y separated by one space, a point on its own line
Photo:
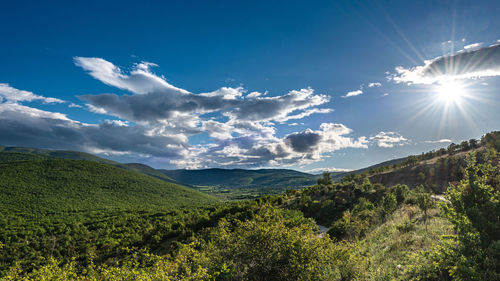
54 185
26 153
240 183
36 153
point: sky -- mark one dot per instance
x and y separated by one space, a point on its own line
306 85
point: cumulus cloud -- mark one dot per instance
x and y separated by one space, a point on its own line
258 150
10 94
374 84
388 139
473 62
439 141
353 93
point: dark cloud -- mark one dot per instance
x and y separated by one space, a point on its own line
304 141
25 126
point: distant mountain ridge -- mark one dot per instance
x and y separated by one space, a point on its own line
237 178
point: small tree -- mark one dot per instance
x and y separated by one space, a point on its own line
389 204
401 191
325 179
424 202
474 210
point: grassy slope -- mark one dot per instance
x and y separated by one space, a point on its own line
76 185
389 247
338 176
429 172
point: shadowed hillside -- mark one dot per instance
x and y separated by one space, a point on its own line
435 170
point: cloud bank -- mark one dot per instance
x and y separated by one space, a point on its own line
472 62
154 122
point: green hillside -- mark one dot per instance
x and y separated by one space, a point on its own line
62 208
63 154
26 153
145 169
77 185
242 184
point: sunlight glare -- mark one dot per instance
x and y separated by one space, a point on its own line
450 91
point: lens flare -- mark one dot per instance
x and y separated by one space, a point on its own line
450 91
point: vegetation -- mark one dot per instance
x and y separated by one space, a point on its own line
65 208
85 220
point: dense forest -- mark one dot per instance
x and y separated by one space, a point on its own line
85 220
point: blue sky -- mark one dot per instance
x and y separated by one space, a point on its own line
299 84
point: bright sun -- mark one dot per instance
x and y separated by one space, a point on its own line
450 91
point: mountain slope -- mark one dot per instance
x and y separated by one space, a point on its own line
435 169
236 178
337 176
145 169
63 154
76 185
27 153
242 184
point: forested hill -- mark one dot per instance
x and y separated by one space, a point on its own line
9 153
15 152
54 185
268 181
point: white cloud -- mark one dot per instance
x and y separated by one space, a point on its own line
253 95
385 94
140 80
474 46
353 93
388 139
374 84
11 94
469 64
